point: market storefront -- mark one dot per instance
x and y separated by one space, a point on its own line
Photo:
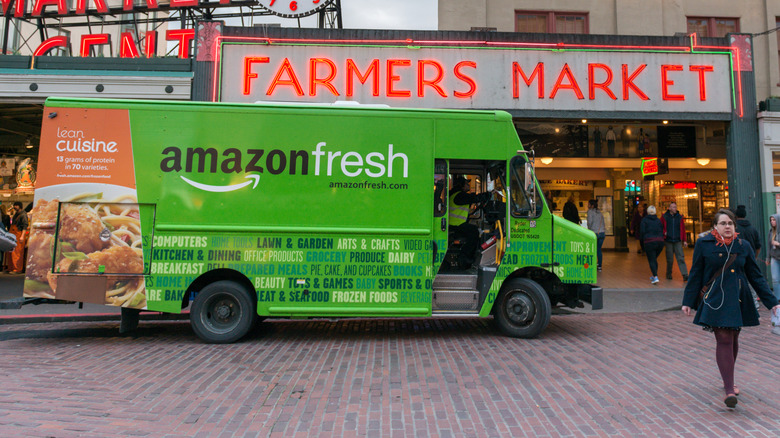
695 176
590 107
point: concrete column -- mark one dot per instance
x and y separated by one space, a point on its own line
743 152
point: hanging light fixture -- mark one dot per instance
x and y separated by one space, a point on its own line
546 160
703 161
28 144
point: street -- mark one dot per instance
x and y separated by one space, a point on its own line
625 374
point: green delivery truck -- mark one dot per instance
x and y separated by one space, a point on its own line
243 212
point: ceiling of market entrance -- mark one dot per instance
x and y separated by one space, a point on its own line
20 126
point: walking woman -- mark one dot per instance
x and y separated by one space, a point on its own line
718 290
651 233
773 254
19 229
596 224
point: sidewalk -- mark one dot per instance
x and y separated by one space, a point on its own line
11 287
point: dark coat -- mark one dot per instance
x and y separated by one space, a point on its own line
674 227
651 229
570 212
747 232
636 220
729 302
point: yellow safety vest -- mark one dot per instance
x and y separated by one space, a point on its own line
458 213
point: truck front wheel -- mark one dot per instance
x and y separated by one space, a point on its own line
223 312
523 309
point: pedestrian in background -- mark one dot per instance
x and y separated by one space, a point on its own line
745 230
639 213
675 240
773 253
722 267
570 211
5 257
6 218
596 224
19 229
651 233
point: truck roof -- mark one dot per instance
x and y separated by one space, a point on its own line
338 106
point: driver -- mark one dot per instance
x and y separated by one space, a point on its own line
460 202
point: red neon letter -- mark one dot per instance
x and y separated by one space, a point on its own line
422 82
472 85
96 39
628 82
183 3
665 82
392 78
372 70
81 6
248 61
184 36
293 80
592 84
313 80
127 47
572 85
538 73
702 86
127 5
62 7
21 6
46 46
150 43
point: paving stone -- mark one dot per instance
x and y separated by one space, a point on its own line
617 374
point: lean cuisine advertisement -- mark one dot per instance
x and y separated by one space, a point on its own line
85 219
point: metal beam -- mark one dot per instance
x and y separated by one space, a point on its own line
12 126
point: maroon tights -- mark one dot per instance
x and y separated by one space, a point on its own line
726 354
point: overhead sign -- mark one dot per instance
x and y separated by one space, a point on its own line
443 77
649 166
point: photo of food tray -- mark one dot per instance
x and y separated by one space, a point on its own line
87 232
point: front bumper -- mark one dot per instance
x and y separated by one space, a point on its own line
592 294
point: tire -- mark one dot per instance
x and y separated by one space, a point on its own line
522 309
223 312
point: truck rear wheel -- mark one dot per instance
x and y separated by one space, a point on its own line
223 312
523 309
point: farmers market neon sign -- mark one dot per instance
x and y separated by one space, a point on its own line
474 74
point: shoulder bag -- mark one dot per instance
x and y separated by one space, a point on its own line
705 289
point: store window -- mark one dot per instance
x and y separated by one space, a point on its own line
776 168
713 26
551 22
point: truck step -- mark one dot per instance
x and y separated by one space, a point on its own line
455 281
447 299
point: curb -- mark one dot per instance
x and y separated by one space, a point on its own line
89 317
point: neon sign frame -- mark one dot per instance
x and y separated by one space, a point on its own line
692 48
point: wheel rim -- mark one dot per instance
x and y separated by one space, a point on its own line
222 313
520 308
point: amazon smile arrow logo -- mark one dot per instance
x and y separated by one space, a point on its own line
230 188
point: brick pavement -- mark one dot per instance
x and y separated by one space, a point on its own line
589 375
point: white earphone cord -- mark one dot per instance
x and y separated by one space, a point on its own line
722 273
